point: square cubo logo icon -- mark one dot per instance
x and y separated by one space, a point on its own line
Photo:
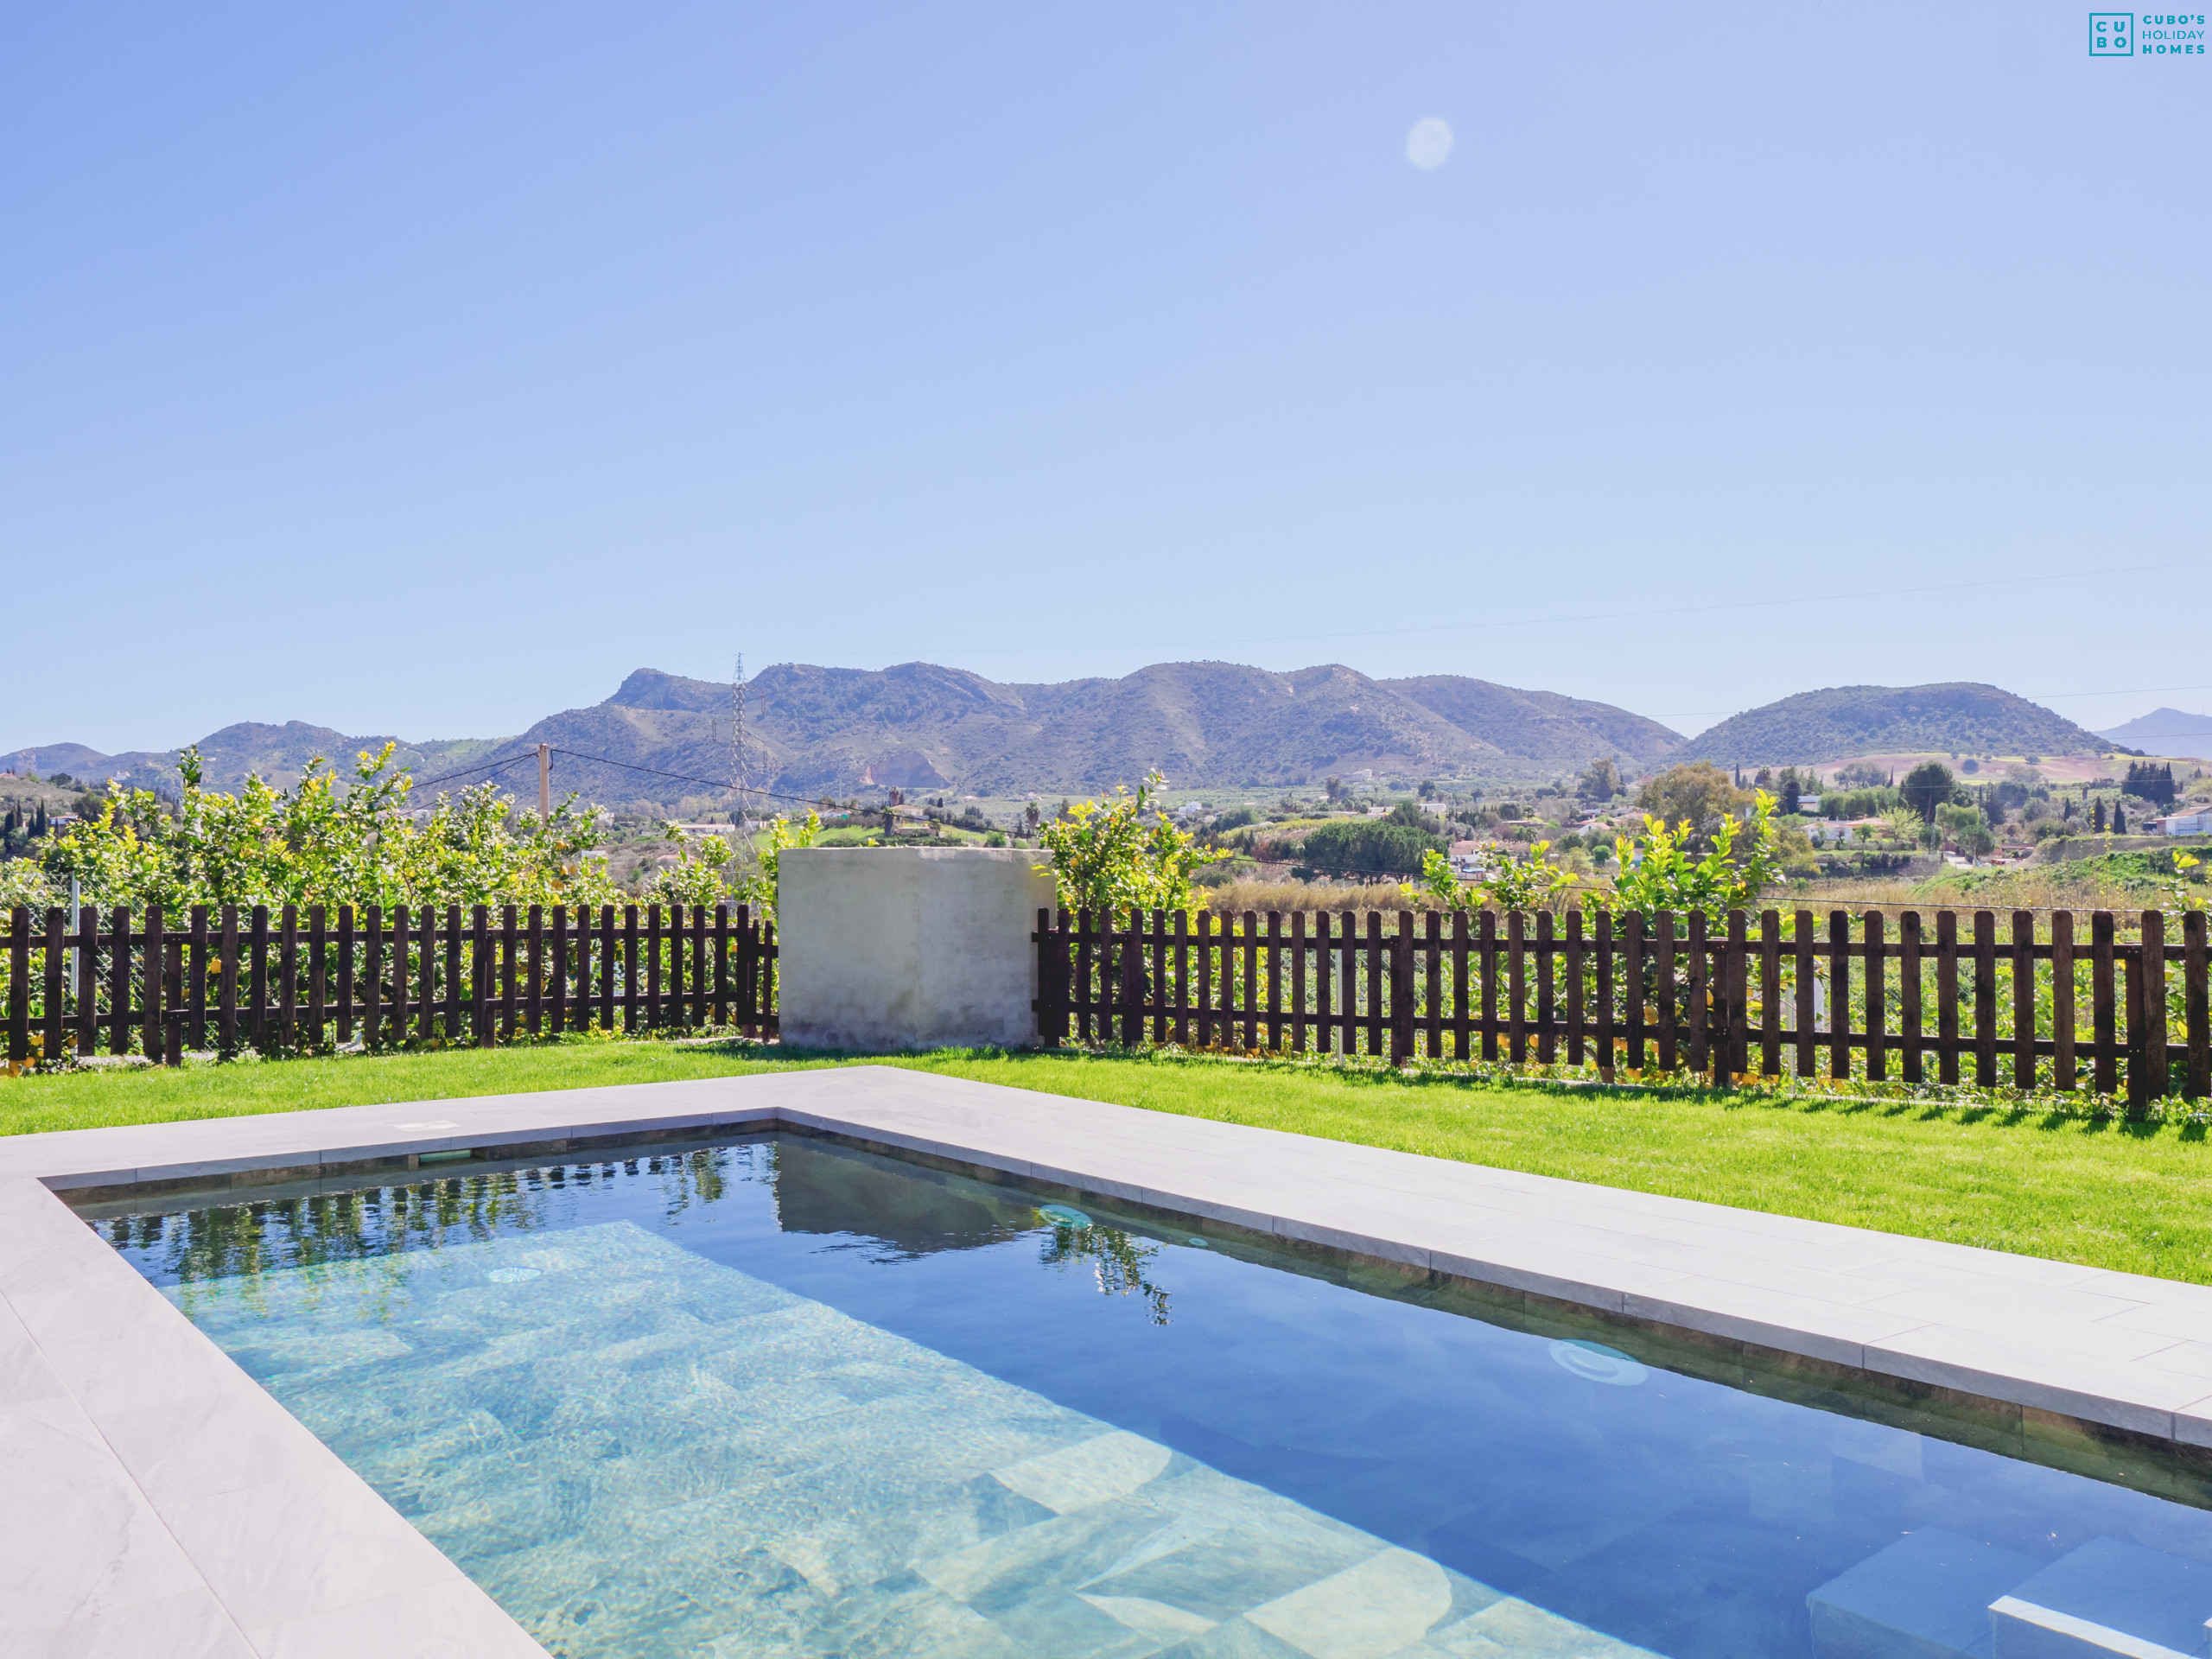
2111 33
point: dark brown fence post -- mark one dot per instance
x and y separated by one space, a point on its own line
227 1017
196 985
87 981
1546 1013
456 936
1250 930
1462 1003
54 1002
751 976
345 944
1908 1016
257 1009
1274 981
721 967
483 977
1808 1012
2102 995
1402 990
629 965
1324 967
1297 979
1734 987
1576 1051
288 989
1516 987
428 934
672 1003
372 976
535 968
421 1004
1606 1030
509 949
153 968
2062 1062
1430 945
1632 998
318 967
2024 999
1771 993
1700 987
1878 982
1947 995
399 975
654 1016
1662 929
18 985
1984 998
1838 993
2193 1006
609 964
2149 1050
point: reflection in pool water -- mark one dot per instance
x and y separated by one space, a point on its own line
791 1397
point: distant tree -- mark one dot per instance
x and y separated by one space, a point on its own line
1031 816
1334 786
1792 790
1600 780
1698 792
2097 817
1927 786
2119 819
1367 848
1970 764
2151 783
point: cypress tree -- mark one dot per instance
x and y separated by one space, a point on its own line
2097 817
2119 819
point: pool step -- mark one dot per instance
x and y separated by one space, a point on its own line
1936 1595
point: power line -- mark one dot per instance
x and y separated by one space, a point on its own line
486 767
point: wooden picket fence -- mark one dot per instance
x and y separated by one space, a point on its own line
285 984
1770 994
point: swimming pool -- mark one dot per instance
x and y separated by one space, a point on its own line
788 1397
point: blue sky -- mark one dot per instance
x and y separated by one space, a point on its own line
426 368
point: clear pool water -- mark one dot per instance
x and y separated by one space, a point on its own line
788 1397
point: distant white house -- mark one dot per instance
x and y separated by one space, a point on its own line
1844 829
1809 804
2191 821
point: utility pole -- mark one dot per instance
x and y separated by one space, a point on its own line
740 780
544 785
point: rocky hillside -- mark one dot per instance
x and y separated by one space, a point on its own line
1958 717
924 727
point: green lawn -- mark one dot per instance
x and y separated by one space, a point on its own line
2130 1196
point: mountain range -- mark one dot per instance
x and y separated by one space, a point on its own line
662 739
2166 731
813 731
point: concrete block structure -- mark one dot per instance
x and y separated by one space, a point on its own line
909 947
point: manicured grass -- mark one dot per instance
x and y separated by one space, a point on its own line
2129 1196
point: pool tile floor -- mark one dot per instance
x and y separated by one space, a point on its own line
788 1480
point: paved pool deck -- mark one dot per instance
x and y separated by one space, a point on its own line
159 1500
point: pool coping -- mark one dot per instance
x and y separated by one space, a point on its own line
170 1494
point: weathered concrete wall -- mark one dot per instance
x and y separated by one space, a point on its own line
908 947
